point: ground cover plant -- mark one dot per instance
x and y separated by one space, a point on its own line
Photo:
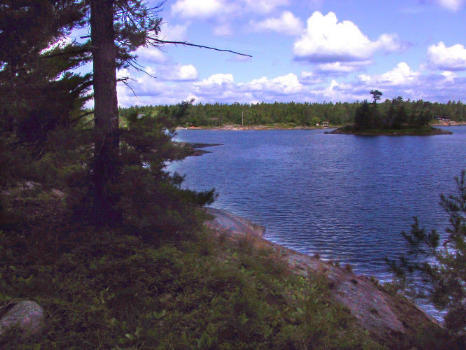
116 289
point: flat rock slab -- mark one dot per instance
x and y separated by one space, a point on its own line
230 224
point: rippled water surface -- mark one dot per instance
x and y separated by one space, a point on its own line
346 197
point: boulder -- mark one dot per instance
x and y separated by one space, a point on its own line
26 315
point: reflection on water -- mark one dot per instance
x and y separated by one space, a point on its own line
346 197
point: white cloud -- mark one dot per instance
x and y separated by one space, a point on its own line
186 72
201 8
449 76
401 75
287 23
327 40
308 78
285 84
447 58
400 81
213 8
341 67
215 81
151 55
175 32
264 6
178 73
123 73
453 5
338 92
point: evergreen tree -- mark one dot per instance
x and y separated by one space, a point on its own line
362 117
37 92
445 277
376 95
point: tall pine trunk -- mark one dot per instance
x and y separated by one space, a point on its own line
106 141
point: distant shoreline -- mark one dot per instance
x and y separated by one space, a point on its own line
233 127
254 127
425 131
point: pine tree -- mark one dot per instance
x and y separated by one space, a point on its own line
130 23
445 277
38 94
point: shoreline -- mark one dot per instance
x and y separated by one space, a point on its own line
381 313
253 127
233 127
426 131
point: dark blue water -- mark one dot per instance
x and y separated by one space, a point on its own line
346 197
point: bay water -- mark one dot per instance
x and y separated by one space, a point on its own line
344 197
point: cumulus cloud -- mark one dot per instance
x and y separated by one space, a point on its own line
401 75
449 76
285 84
453 5
151 55
400 81
175 32
216 80
337 68
337 91
327 40
287 23
308 78
201 9
178 73
220 88
213 8
264 6
451 58
215 85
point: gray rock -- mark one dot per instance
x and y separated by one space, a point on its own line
28 316
233 225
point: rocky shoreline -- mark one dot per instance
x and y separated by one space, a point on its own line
251 127
386 316
395 132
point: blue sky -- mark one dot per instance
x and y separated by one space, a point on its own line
304 51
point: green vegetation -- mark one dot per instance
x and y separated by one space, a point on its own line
118 289
95 230
369 119
289 115
407 131
144 274
446 274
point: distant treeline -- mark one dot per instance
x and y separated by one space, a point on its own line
299 114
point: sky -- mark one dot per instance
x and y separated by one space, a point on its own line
303 51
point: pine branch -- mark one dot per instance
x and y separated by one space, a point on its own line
156 41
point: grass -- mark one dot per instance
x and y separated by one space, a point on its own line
118 289
113 289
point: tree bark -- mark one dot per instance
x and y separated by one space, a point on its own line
106 139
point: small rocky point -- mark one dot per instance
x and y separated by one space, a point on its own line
386 317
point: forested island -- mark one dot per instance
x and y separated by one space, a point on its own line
396 120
